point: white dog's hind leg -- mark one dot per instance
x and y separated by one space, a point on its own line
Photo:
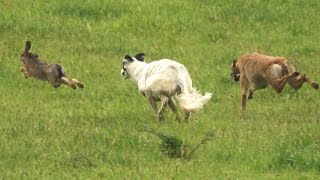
164 100
173 107
152 102
187 115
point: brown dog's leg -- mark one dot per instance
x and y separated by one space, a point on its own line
251 91
244 88
297 82
312 83
278 84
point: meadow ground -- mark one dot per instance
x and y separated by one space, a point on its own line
94 133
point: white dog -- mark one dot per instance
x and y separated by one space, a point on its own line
161 80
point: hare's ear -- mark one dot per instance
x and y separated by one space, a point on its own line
140 56
28 46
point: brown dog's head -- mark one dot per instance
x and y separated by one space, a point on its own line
235 72
27 56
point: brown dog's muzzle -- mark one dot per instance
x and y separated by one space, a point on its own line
235 77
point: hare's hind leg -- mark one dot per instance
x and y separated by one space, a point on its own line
78 83
68 82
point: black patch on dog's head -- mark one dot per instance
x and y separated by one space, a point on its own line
140 56
128 58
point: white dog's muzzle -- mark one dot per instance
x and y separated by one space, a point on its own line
124 73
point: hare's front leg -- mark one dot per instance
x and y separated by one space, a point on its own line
78 83
24 71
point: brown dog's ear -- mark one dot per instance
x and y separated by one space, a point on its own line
234 63
28 46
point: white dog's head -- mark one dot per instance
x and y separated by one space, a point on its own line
126 62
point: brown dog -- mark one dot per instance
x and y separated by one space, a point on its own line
257 71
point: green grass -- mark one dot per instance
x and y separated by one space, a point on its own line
50 133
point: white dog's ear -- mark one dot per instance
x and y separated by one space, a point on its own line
234 63
128 58
140 56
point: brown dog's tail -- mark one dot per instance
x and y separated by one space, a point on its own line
284 67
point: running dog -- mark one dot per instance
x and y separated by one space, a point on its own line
162 80
257 71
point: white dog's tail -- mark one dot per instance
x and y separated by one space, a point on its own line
190 99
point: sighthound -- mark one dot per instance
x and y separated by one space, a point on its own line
257 71
161 81
53 73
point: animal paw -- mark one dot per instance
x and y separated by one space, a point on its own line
22 69
315 85
73 86
178 119
80 85
160 116
295 74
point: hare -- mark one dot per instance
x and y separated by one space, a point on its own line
54 73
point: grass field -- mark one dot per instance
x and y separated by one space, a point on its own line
48 133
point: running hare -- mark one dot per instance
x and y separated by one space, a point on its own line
54 73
